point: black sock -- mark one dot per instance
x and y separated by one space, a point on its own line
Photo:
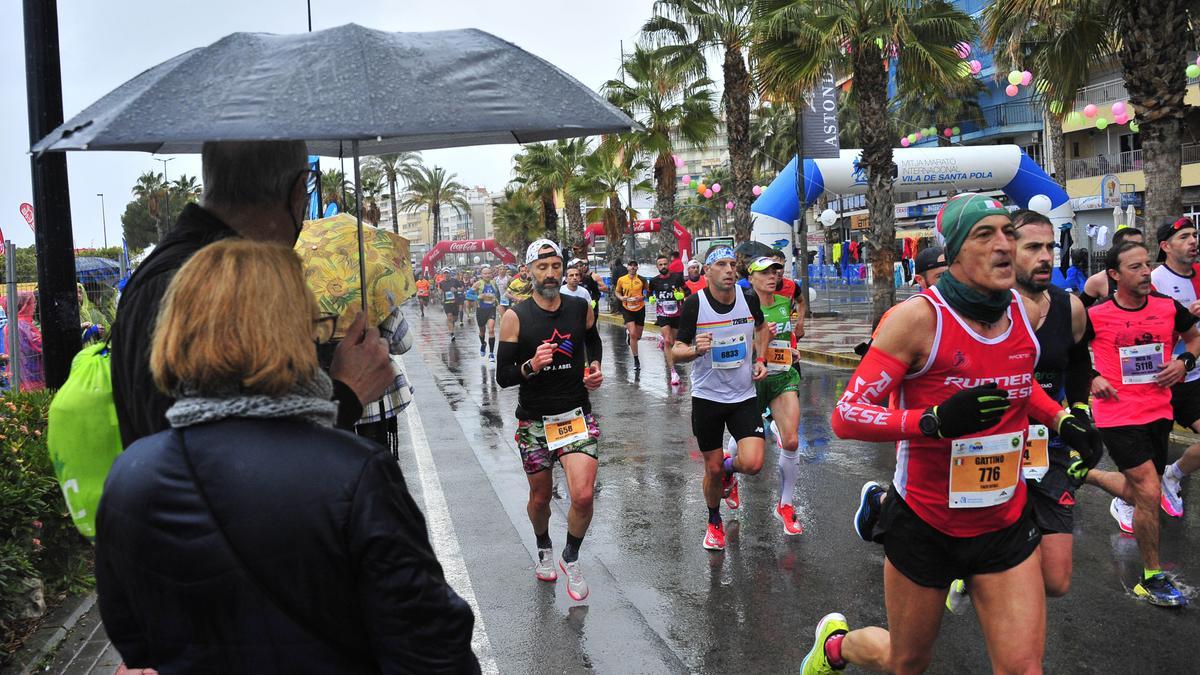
491 345
543 539
571 550
714 515
481 340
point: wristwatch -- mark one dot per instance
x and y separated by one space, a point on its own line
1189 360
929 424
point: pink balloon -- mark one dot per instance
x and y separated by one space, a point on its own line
729 206
1118 108
920 135
976 66
716 187
904 142
678 161
947 132
963 49
1026 78
1089 111
1120 119
686 179
708 193
757 190
1011 90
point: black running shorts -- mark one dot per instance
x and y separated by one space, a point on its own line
669 321
452 309
484 314
1185 403
1135 445
931 558
710 419
638 317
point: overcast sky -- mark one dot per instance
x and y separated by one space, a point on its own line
107 43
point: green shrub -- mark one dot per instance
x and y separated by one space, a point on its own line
37 537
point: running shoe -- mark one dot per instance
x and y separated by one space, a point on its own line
1159 590
1172 501
714 537
544 570
958 600
482 351
775 435
577 586
867 515
492 357
816 662
452 337
1123 513
786 514
637 363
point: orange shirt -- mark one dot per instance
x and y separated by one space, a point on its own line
423 288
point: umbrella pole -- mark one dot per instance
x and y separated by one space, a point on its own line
362 258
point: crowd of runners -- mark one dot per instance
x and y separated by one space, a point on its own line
1000 392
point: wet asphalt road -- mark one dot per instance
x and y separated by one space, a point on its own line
661 603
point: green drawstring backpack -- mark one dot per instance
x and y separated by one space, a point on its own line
82 434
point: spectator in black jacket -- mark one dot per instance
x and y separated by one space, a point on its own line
255 190
252 537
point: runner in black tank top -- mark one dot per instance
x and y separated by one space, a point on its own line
542 343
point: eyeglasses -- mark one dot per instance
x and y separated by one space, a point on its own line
324 326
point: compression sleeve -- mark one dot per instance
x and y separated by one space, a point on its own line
508 371
1042 408
1079 369
861 413
1087 300
595 346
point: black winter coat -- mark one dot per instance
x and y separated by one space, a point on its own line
331 569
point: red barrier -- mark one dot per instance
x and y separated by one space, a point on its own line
682 236
466 246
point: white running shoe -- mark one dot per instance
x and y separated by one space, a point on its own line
1123 512
577 586
544 570
731 447
1172 501
775 435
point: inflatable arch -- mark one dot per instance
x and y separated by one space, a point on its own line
682 236
988 167
440 249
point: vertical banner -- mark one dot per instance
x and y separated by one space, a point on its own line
819 120
314 188
27 213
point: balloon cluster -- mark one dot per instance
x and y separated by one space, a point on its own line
1016 80
969 66
925 133
1120 112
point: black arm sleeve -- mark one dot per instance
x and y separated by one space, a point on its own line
688 318
595 346
508 371
1079 369
755 307
350 409
1086 299
1183 318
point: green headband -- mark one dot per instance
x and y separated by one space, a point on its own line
960 214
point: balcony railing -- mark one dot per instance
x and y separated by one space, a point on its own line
1108 91
1117 162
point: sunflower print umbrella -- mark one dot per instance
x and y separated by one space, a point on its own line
328 248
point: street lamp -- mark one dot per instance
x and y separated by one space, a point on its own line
167 192
103 218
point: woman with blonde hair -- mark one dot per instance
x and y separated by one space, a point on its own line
252 536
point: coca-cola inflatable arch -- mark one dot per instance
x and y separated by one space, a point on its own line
682 236
440 249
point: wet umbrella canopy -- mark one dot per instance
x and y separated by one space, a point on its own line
389 91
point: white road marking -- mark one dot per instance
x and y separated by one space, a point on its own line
445 540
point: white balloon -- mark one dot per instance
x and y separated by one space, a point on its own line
812 295
828 217
1041 204
477 259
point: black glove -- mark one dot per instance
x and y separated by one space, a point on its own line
1082 436
971 411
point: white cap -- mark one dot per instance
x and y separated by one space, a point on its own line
531 253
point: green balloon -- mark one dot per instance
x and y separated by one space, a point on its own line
1193 71
879 42
1101 123
912 138
1014 77
1134 127
957 131
693 184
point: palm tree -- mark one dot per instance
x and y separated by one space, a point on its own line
568 156
668 102
372 184
537 171
797 40
607 173
773 136
394 167
336 189
152 188
517 219
686 30
431 189
186 187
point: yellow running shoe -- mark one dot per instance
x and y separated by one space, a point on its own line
816 662
957 600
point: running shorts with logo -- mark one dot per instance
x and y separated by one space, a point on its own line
710 420
775 386
1134 445
931 558
536 456
637 317
783 377
483 315
1053 497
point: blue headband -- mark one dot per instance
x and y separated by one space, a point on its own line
719 254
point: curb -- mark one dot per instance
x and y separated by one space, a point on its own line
823 358
52 633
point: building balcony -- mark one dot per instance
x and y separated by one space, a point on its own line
1000 119
1120 162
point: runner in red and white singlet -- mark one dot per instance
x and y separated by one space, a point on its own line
962 359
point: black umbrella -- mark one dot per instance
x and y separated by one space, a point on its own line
389 91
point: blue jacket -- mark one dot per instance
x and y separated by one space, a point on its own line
331 570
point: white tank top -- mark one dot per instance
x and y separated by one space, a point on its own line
724 374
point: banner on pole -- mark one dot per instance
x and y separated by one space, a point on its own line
27 212
819 120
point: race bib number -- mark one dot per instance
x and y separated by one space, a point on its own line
668 307
983 470
779 356
1140 363
729 352
563 430
450 296
1037 453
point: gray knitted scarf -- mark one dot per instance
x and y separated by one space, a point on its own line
309 401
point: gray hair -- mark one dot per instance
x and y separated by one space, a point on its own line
250 173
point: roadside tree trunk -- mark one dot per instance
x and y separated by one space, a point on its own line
870 77
575 225
1058 149
737 128
664 184
395 216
